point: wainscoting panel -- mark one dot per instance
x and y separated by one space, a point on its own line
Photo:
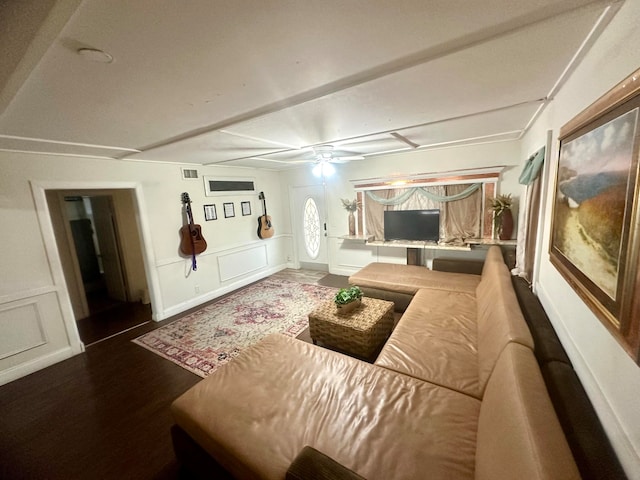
348 256
237 264
33 334
220 271
20 328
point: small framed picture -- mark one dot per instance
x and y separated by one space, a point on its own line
210 212
246 208
229 210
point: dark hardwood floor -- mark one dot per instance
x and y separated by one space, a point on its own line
101 414
112 321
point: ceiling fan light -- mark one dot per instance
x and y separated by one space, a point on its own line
327 169
323 169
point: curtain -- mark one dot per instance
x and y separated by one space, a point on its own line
462 219
459 205
374 213
532 167
529 214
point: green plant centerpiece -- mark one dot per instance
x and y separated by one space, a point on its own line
502 216
348 299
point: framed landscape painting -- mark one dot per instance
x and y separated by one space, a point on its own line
594 242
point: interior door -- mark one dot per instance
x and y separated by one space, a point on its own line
310 226
104 223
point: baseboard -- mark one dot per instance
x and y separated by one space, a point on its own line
34 365
199 300
346 271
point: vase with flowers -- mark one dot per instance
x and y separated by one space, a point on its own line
502 216
351 206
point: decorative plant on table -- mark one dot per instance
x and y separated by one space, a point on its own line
348 299
351 206
502 216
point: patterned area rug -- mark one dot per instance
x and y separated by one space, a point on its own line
208 338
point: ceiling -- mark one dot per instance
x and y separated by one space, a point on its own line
256 83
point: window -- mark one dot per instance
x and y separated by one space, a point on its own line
311 225
464 213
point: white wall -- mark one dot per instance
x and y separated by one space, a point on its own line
37 326
347 256
609 375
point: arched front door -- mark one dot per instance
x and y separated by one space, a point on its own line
310 227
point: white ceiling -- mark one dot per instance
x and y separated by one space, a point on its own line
257 82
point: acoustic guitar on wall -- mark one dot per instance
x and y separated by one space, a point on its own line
191 240
265 227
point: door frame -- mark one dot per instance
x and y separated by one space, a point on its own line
39 189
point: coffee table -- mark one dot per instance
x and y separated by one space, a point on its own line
359 333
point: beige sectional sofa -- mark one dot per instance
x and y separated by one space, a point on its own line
456 393
463 332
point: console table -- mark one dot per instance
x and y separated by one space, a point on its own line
416 247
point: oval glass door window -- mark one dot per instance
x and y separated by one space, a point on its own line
311 224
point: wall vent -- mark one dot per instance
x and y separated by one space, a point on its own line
189 173
228 186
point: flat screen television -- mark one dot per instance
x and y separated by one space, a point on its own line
412 225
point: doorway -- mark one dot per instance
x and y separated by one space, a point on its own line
309 220
100 250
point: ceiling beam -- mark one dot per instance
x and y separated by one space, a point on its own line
404 139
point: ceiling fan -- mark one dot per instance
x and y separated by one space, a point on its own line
324 155
327 153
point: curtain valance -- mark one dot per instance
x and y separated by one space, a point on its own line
404 196
532 167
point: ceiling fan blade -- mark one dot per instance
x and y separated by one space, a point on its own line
345 159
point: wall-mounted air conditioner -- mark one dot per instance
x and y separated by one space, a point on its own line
214 186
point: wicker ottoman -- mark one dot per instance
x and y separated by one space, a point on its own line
359 333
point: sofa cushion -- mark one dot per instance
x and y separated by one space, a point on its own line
519 435
255 414
499 319
409 279
435 341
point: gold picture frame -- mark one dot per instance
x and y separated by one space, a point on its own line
594 235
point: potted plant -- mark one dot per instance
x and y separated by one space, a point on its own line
348 299
502 216
351 207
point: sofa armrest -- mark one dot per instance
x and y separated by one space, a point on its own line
310 464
